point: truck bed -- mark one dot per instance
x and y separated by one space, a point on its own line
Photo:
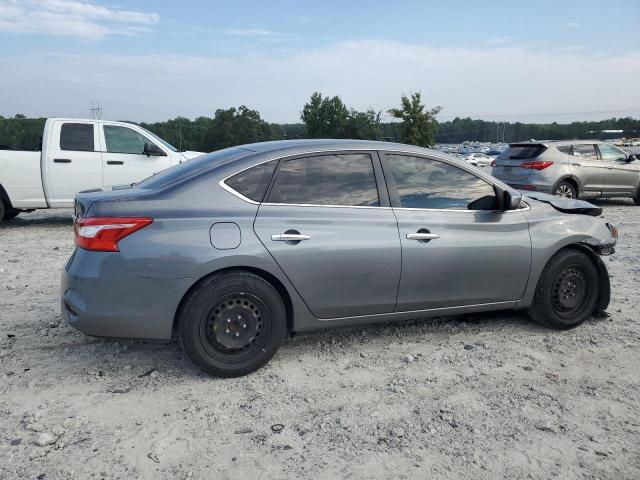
20 178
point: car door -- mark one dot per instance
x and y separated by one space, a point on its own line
124 160
588 168
73 161
327 222
620 175
453 256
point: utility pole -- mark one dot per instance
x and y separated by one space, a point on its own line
95 110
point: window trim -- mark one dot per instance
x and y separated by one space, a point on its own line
381 188
393 191
378 156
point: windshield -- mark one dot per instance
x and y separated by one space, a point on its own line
157 138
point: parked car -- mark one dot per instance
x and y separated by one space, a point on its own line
570 168
479 159
80 155
230 251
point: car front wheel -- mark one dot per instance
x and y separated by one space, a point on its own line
232 324
567 291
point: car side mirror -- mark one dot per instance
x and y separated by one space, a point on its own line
631 158
152 149
510 200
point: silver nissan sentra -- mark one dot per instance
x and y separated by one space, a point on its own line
230 251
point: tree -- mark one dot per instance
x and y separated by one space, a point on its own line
325 117
364 125
235 127
418 126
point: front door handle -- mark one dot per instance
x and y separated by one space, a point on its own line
115 162
61 160
289 237
576 164
422 236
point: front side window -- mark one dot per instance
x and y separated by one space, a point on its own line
77 137
342 179
611 154
253 182
123 140
426 183
586 150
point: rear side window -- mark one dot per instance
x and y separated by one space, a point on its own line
585 150
77 137
346 180
425 183
523 152
253 183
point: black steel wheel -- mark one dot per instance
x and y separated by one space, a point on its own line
568 290
231 324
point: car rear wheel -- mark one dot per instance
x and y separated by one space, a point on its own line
567 291
565 190
10 214
232 324
636 199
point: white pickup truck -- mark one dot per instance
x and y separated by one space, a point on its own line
80 155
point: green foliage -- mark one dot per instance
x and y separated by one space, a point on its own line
236 127
329 117
418 126
21 132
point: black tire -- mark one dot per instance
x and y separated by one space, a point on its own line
10 214
636 199
566 190
2 210
232 324
567 291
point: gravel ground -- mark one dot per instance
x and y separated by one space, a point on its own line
462 397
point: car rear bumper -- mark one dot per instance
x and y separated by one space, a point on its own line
102 300
528 185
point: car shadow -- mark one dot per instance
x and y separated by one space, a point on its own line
42 221
612 202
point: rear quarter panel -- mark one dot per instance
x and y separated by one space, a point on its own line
20 177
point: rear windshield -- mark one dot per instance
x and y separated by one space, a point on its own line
521 152
191 167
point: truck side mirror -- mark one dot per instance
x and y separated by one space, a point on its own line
152 149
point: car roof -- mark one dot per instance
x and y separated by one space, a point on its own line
558 142
304 145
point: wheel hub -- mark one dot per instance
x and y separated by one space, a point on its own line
234 323
569 290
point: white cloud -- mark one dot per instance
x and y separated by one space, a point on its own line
573 24
251 32
505 83
72 18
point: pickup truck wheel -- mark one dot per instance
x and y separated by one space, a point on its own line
567 291
232 324
10 214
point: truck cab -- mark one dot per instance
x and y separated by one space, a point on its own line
78 155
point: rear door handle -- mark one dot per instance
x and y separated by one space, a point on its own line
115 162
61 160
576 164
289 237
422 236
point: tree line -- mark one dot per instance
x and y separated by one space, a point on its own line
329 117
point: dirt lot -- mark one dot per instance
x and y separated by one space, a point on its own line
490 397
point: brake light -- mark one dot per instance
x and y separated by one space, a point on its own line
102 234
536 165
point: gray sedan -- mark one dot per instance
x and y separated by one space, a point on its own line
230 251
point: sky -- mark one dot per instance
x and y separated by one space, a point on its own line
144 60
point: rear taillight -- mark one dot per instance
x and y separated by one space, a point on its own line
103 233
536 165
